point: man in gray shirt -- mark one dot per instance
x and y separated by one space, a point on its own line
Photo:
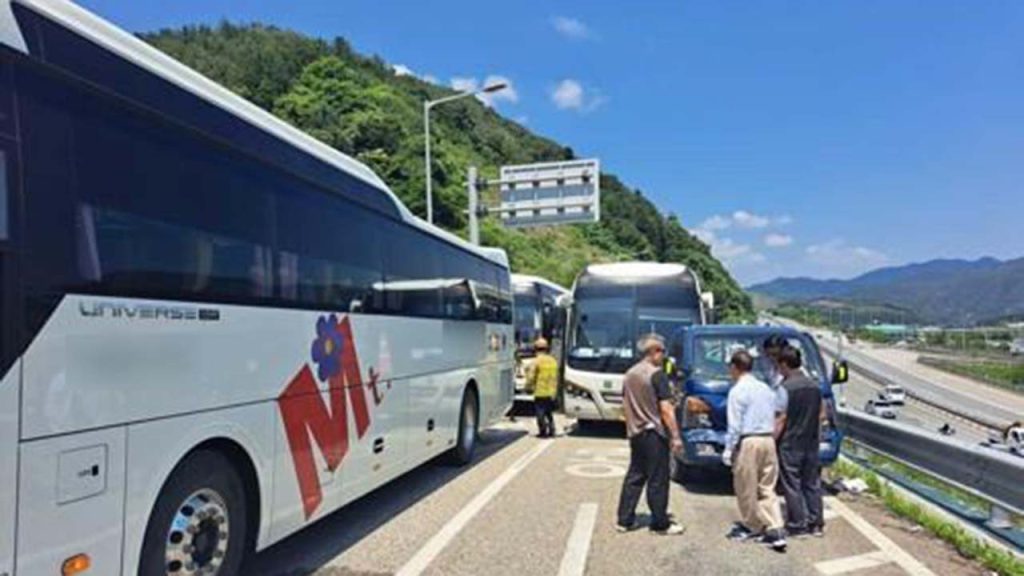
652 431
750 450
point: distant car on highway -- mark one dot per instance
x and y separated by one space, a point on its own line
894 394
1012 440
1017 347
882 408
703 383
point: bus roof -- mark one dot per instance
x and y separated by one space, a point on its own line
635 270
91 27
529 279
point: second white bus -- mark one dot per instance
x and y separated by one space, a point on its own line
611 306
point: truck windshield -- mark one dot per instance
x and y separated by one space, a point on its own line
712 354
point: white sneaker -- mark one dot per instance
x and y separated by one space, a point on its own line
673 529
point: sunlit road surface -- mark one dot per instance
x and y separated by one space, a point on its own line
860 389
954 393
547 507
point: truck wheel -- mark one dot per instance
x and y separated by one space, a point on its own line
469 429
199 523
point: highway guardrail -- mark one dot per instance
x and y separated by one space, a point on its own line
987 474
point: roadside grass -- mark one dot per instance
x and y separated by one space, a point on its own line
992 558
1009 375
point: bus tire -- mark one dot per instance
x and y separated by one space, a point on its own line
206 496
468 431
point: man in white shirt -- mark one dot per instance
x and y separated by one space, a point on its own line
750 450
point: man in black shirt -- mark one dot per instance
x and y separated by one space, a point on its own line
800 468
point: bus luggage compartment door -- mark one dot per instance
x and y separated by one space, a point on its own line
9 405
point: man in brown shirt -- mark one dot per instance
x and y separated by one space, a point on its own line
651 428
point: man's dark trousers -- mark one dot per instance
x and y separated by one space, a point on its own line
648 466
800 478
544 408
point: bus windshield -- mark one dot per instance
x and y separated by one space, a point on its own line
608 321
525 317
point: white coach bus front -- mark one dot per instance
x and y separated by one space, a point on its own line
611 306
214 329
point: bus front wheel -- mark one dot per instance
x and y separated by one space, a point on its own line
199 523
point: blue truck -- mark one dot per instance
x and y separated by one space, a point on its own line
702 382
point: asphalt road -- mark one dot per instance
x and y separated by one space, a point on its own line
533 506
956 394
859 390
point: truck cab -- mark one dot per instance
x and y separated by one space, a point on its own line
702 383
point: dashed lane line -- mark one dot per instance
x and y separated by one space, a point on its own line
886 548
574 562
433 548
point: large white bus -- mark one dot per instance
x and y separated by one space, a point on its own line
215 329
611 306
537 311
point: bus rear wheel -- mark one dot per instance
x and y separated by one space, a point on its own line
199 523
469 429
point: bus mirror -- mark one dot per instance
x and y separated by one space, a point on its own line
840 372
708 298
564 301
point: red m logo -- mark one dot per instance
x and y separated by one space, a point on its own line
305 413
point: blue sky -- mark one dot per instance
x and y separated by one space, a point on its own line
799 138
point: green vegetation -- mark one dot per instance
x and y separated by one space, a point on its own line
359 106
992 558
817 317
1005 374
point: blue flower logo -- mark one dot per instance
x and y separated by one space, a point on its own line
327 347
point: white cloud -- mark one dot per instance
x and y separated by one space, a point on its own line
784 220
774 240
431 79
571 28
402 70
522 119
469 83
745 219
569 94
838 258
715 222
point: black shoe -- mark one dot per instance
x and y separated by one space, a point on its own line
740 533
774 540
798 533
817 531
622 528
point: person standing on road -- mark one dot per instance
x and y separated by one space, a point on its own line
750 450
542 381
649 409
800 467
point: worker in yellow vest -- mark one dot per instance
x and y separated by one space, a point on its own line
542 382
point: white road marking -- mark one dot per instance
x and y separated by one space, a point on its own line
433 548
851 563
574 562
896 554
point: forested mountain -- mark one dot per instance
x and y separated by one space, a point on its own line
358 105
939 291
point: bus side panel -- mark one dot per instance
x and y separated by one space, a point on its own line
156 447
71 499
8 465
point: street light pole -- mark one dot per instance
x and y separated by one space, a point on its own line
427 105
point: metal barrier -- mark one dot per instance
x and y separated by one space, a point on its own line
993 476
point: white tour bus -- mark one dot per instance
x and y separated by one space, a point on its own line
537 311
215 329
611 306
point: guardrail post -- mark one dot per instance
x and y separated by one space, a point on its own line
999 517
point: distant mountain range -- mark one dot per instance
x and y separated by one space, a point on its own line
950 292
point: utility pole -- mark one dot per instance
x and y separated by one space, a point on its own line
474 203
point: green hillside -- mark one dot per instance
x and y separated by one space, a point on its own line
359 106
